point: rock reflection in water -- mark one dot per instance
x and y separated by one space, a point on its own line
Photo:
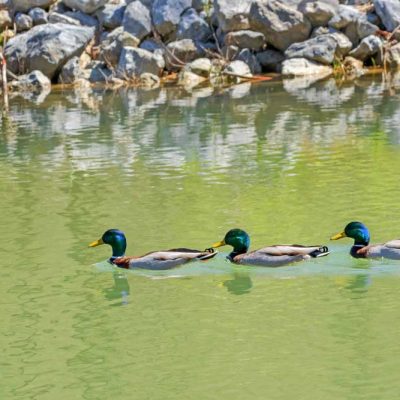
89 124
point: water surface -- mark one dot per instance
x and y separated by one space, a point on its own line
287 161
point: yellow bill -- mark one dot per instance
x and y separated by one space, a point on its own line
96 243
219 244
339 236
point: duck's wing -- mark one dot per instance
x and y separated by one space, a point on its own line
166 259
390 250
276 256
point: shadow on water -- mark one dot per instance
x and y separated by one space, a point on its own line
240 284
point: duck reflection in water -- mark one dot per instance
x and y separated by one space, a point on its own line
119 290
359 284
240 284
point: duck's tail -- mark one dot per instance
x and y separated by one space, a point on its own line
321 252
207 254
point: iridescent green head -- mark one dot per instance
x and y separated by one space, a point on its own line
355 230
116 239
238 239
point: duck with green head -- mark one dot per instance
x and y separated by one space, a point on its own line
156 260
361 247
271 256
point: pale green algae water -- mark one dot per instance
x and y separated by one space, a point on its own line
171 168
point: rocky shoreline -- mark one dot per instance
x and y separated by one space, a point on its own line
144 42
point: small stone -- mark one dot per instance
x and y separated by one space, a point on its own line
319 49
34 81
365 28
26 5
134 62
238 68
232 15
245 39
82 18
5 19
393 56
201 66
38 15
137 20
111 15
251 60
149 80
303 67
97 71
271 60
199 5
86 6
318 12
344 16
152 45
55 18
389 12
71 71
167 13
189 79
368 47
191 26
23 22
230 52
181 52
353 67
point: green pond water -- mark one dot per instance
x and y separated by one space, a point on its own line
288 162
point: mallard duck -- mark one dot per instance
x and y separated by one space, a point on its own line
272 256
156 260
361 247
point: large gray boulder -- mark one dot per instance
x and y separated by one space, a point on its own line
137 20
319 12
86 6
181 52
25 5
281 25
320 49
192 26
368 47
46 48
232 15
304 67
245 40
389 12
111 15
135 62
167 14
